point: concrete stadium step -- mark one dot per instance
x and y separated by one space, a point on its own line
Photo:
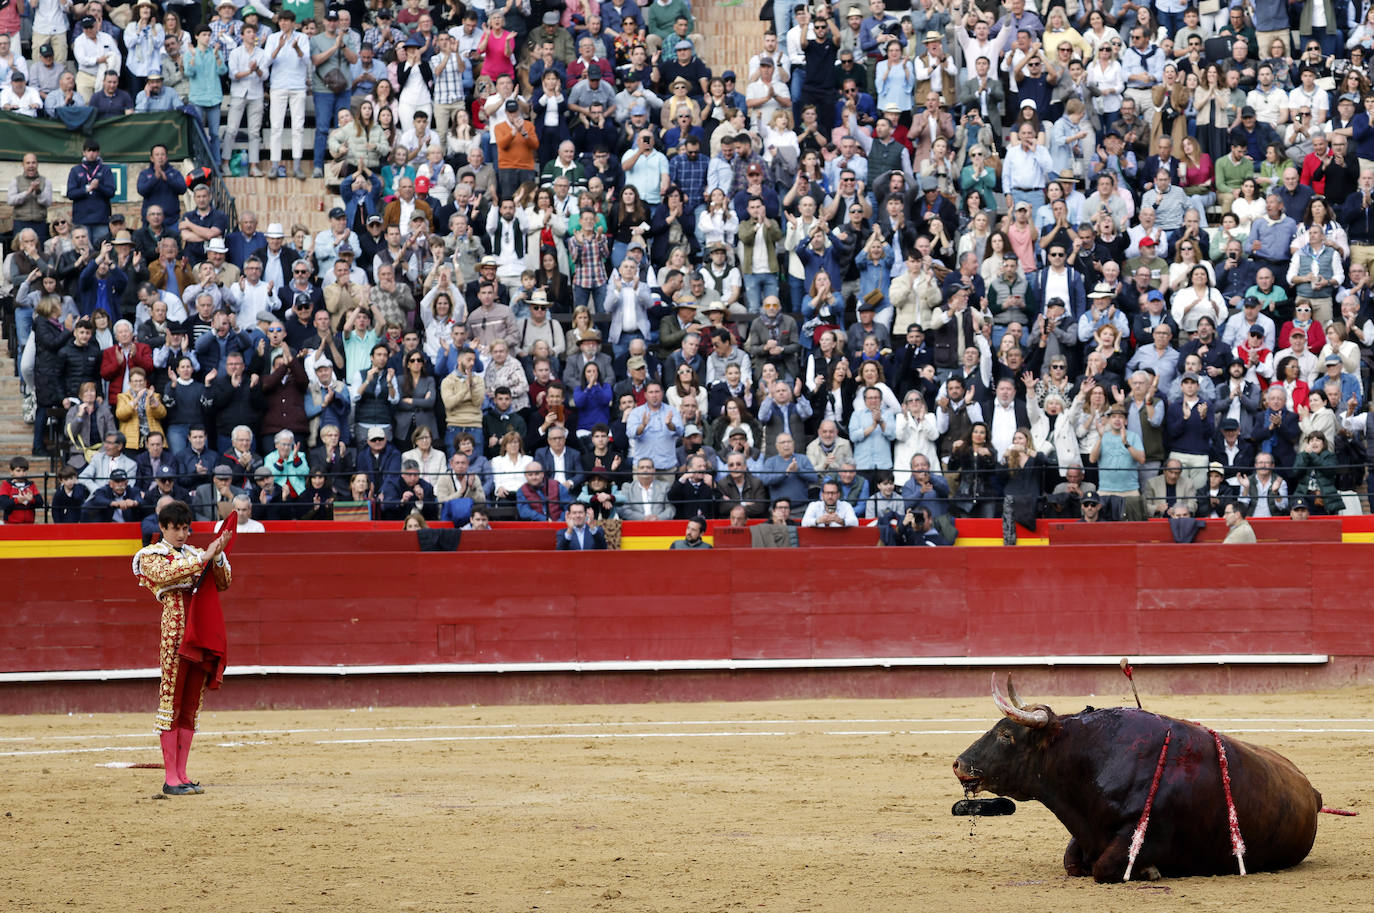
731 35
286 200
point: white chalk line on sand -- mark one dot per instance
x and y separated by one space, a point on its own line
456 727
678 734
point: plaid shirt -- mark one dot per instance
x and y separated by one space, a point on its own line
448 85
689 175
380 45
589 258
226 35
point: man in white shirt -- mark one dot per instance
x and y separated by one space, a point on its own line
247 71
831 509
18 98
251 295
1025 170
1269 101
50 28
506 228
766 94
96 53
980 45
288 65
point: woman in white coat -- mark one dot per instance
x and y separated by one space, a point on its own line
916 433
1053 429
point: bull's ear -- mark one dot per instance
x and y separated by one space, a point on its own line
1037 717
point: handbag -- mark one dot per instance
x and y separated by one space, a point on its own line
335 81
333 175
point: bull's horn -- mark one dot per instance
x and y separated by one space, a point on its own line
1015 698
1011 707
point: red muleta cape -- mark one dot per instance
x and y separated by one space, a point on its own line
204 641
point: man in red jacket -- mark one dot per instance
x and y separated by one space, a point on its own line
116 361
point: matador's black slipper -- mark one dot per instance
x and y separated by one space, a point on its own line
179 789
196 788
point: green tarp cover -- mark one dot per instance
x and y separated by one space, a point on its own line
122 139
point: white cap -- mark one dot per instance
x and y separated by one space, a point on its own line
274 230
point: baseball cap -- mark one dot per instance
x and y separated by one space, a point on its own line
1146 241
1251 302
1190 375
376 433
1090 498
1333 359
1230 424
1259 331
119 475
1216 467
1300 504
512 105
337 213
690 430
45 51
594 71
1155 295
1247 111
684 43
422 183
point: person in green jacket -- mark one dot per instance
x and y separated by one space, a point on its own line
661 14
204 67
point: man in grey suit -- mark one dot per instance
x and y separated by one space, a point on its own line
644 497
1171 494
588 349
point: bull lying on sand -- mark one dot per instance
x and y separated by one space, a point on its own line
1093 770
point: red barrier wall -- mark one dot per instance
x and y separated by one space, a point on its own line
294 609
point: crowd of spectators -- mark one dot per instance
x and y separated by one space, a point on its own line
1107 260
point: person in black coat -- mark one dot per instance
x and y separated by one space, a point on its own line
78 361
1277 427
334 459
115 501
49 339
164 485
235 399
694 493
407 493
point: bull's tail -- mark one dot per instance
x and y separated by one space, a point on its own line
1343 812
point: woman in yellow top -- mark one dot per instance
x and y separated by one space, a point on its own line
1058 30
139 410
679 101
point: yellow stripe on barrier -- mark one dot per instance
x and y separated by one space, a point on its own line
1357 537
982 541
67 548
653 543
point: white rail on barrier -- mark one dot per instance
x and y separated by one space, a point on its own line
705 665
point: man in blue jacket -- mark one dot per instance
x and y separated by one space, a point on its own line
161 185
90 187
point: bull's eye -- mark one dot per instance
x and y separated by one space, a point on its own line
1006 736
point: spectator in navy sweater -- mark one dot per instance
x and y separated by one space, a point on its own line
1188 431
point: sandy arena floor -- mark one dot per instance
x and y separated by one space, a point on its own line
790 806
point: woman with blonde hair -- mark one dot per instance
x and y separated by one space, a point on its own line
1216 113
581 328
88 421
139 411
1058 31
